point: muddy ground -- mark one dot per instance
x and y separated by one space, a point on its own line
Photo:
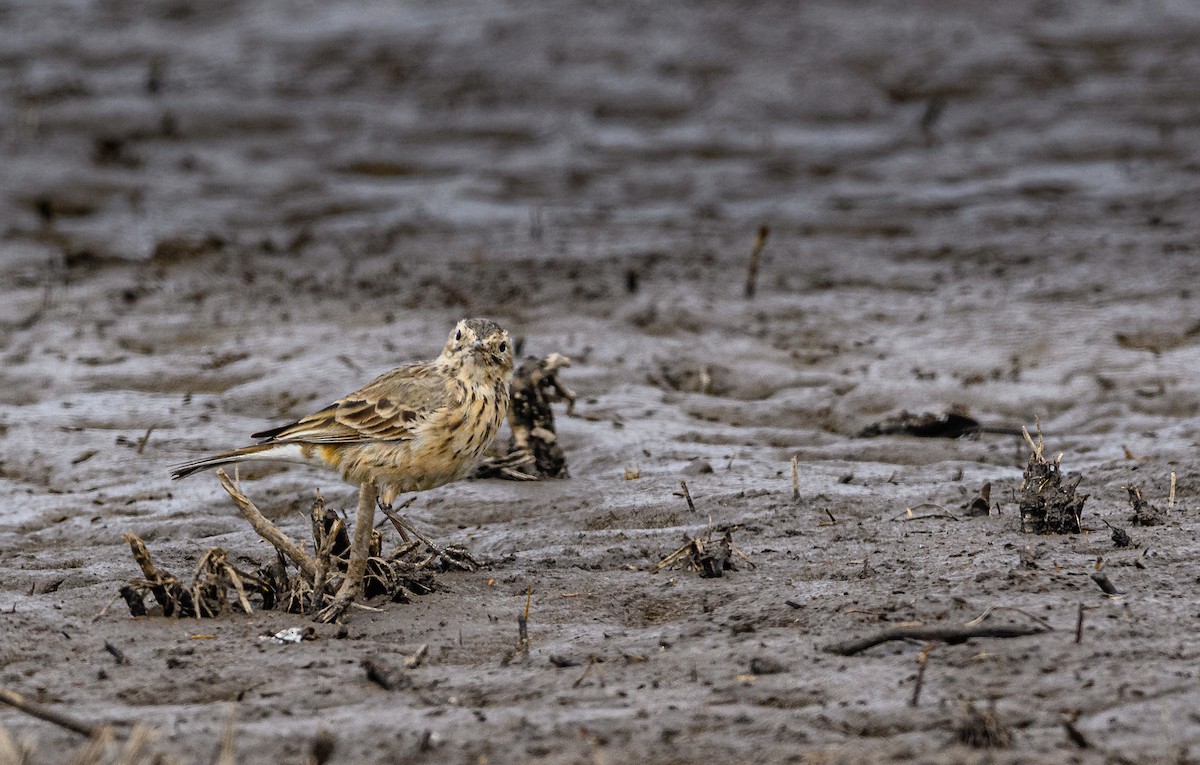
215 216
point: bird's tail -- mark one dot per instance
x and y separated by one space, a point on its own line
275 452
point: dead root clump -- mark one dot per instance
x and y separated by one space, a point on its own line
1144 513
1048 501
533 450
982 730
712 558
294 582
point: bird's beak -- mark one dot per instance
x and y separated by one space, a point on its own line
477 346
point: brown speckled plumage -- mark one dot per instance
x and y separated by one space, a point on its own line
410 429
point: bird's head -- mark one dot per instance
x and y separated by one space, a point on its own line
479 345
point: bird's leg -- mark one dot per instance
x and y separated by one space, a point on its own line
360 548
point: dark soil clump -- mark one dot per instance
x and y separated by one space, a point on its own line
952 424
1144 513
1049 502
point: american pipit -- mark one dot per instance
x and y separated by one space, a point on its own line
410 429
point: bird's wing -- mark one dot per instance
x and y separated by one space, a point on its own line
388 408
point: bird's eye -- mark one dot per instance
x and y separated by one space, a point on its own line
458 335
503 346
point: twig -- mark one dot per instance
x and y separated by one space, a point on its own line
741 554
331 537
18 702
755 255
414 661
1171 496
922 662
145 439
907 515
523 622
1073 733
987 612
237 585
1037 448
682 552
267 530
1079 625
592 665
117 653
688 496
104 610
165 588
795 478
951 635
228 752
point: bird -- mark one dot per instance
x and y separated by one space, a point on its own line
414 428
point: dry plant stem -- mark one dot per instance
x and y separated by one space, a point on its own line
324 556
742 554
137 746
142 555
104 610
18 702
165 588
674 557
414 661
922 663
688 496
1037 448
950 635
760 241
237 585
227 755
593 667
268 530
96 749
908 516
987 612
795 478
523 622
145 439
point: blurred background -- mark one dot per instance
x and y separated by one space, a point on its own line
347 129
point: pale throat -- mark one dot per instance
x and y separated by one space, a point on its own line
470 372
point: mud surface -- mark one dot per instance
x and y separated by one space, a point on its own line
217 215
